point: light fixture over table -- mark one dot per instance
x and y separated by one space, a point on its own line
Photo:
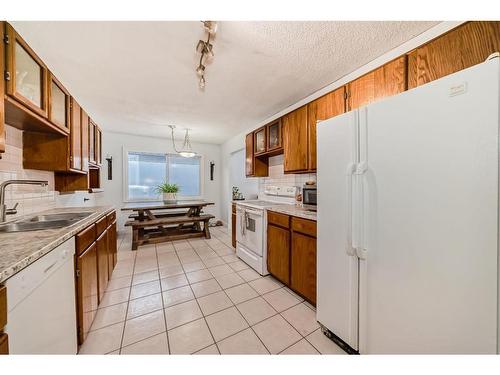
206 50
186 150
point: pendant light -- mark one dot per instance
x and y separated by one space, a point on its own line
186 150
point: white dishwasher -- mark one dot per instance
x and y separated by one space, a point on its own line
41 313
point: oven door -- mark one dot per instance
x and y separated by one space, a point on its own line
250 229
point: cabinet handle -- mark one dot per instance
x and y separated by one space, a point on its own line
49 267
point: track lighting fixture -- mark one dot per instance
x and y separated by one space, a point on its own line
205 48
210 26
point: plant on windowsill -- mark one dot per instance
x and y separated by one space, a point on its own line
169 192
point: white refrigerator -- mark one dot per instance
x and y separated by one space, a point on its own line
408 219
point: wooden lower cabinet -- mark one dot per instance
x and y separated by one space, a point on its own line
87 290
102 264
278 253
291 253
96 257
303 266
4 339
112 248
233 225
4 343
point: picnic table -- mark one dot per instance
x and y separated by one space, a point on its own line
154 222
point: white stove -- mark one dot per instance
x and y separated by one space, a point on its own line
251 226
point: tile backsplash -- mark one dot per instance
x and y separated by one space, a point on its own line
277 176
30 198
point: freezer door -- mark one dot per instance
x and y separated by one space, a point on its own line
337 270
428 280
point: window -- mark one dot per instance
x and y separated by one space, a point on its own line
145 171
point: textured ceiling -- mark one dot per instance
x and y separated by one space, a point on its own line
138 77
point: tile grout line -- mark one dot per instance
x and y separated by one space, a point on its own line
162 302
126 311
299 300
311 342
249 326
202 313
209 294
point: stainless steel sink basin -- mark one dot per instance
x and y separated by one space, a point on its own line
41 222
23 226
71 216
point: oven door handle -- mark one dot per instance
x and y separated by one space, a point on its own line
242 222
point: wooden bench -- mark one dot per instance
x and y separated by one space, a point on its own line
135 216
170 228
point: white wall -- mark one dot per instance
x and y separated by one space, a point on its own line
248 186
113 145
238 141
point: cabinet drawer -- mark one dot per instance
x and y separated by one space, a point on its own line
100 226
111 218
280 220
85 238
304 226
4 343
3 307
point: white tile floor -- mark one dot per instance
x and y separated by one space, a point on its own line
197 297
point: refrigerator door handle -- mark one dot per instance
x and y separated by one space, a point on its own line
350 250
360 210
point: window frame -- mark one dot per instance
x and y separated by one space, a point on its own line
127 199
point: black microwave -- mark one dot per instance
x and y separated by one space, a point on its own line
309 194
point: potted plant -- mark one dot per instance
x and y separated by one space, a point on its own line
169 192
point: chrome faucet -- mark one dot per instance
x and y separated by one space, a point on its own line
11 211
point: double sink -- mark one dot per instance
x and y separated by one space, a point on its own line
45 221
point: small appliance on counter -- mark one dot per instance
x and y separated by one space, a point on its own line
237 196
309 194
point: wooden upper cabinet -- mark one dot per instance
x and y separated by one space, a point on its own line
98 146
85 140
27 74
390 79
295 143
76 135
330 105
260 141
463 47
274 136
92 127
2 92
59 104
249 154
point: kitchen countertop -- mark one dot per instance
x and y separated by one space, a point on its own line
19 249
291 209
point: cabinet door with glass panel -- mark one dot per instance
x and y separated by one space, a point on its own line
59 103
260 141
273 131
26 74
